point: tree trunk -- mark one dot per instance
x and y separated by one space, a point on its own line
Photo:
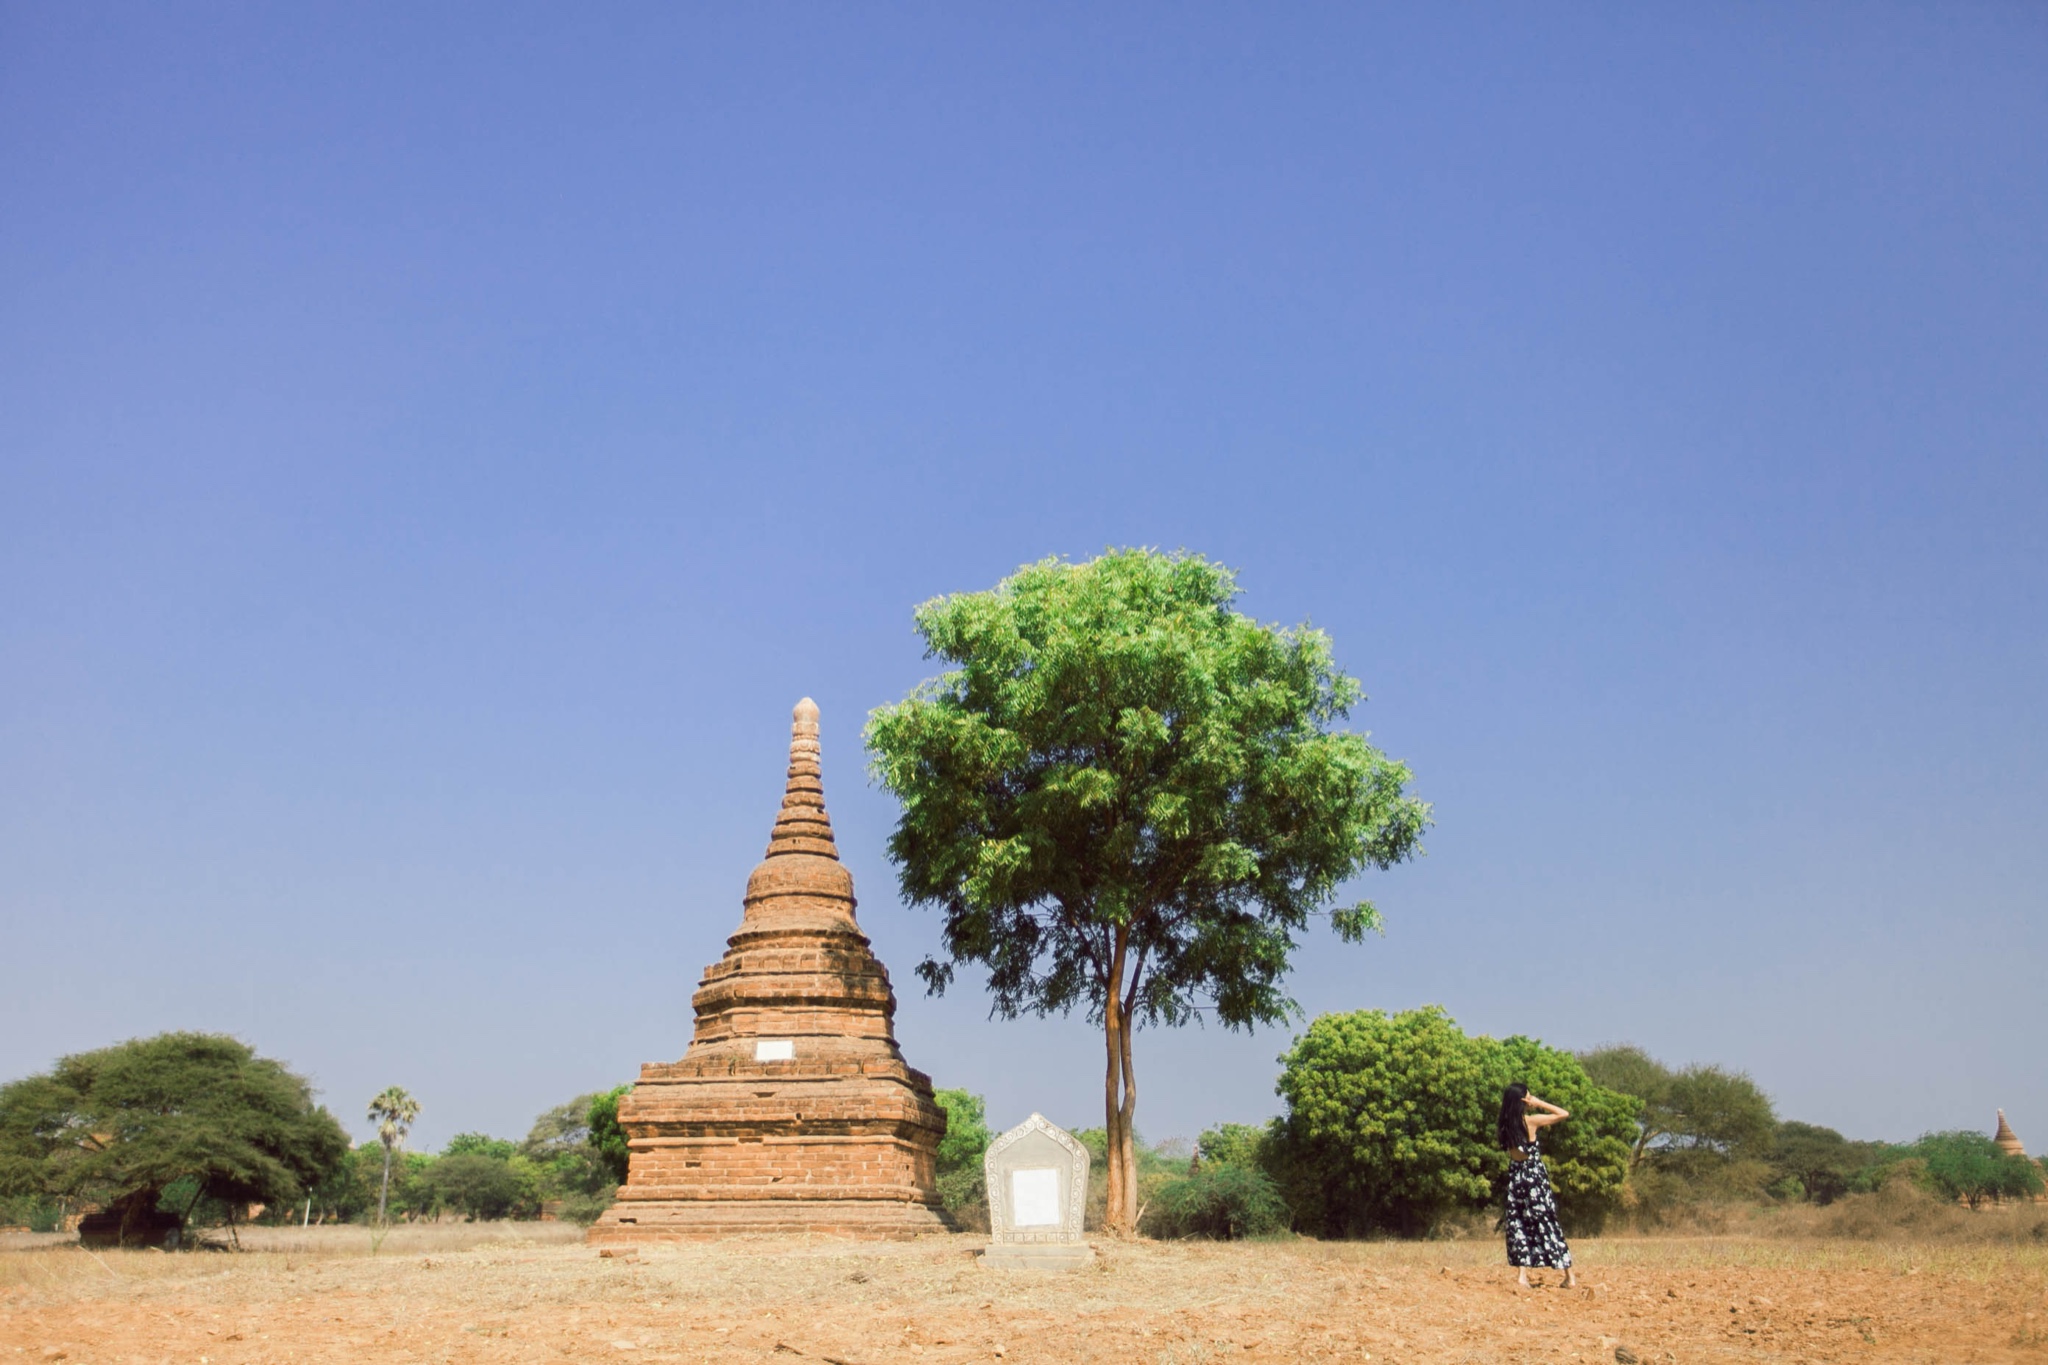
1129 1151
1119 1103
384 1190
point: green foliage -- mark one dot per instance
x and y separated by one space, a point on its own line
555 1165
573 1174
1117 748
560 1130
480 1144
1390 1124
1125 796
1224 1201
584 1207
1700 1108
1969 1166
962 1185
1237 1144
1704 1136
413 1192
348 1193
481 1186
127 1122
37 1213
602 1120
1387 1123
1817 1164
1721 1111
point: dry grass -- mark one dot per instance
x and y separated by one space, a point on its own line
1899 1213
506 1293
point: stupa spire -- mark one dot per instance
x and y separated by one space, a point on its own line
2007 1140
802 826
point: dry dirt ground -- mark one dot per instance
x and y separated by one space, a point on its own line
486 1294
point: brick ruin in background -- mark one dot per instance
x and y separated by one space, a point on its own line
792 1110
2007 1140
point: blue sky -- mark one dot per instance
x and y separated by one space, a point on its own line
437 448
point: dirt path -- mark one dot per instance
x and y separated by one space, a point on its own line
1150 1304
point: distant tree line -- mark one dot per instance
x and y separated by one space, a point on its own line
1707 1135
160 1136
1386 1131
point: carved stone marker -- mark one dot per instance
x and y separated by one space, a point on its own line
1037 1188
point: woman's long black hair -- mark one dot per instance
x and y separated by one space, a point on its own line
1513 1132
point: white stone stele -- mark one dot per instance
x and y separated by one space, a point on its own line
775 1050
1037 1190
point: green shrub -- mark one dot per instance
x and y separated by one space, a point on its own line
1390 1125
1225 1201
585 1209
484 1187
1237 1144
962 1187
31 1211
606 1135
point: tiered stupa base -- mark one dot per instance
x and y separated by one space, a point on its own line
668 1220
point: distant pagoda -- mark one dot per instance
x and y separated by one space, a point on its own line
2008 1141
792 1110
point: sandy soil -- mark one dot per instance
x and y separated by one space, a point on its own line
496 1295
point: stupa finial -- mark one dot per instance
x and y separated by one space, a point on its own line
2007 1140
803 826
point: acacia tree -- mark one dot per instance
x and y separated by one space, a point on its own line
1699 1108
1125 796
120 1125
393 1111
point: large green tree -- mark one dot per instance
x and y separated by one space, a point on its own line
1699 1110
1969 1166
1390 1124
1126 796
571 1170
1818 1164
481 1184
122 1124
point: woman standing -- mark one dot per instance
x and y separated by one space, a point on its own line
1534 1238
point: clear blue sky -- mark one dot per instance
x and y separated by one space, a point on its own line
438 444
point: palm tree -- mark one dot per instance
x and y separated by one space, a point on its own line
393 1112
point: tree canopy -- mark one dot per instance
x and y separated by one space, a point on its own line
122 1124
601 1120
1818 1164
962 1187
1125 796
1700 1108
1969 1166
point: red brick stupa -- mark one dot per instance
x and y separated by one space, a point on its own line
2008 1141
792 1111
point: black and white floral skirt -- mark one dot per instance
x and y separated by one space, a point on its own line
1534 1237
